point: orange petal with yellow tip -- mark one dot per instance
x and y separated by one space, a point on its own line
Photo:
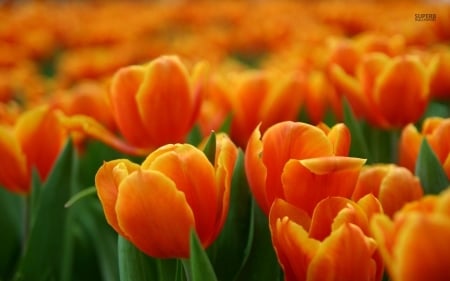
194 175
255 170
293 247
107 181
290 140
339 254
165 101
439 140
122 95
41 137
154 214
226 156
409 145
370 205
280 208
14 174
306 182
340 137
390 91
350 87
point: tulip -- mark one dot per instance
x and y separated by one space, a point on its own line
378 89
263 97
154 104
35 141
333 244
436 131
414 244
394 186
156 204
300 162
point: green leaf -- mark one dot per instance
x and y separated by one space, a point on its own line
226 125
210 148
228 253
262 263
358 146
11 221
429 170
135 265
80 195
44 257
200 266
195 136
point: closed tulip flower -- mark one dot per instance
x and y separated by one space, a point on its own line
378 89
394 186
300 163
414 244
35 141
154 104
332 244
156 204
436 131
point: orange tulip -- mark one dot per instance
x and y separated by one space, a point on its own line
263 97
333 244
176 188
297 161
378 90
35 141
394 186
414 244
436 131
440 70
154 104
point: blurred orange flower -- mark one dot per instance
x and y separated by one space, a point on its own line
35 141
332 244
263 97
414 244
176 188
298 161
394 186
378 89
436 131
154 104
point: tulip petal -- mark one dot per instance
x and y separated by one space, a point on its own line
306 182
409 145
165 100
256 171
290 140
293 247
107 181
14 174
339 136
41 137
338 254
391 92
154 214
122 95
422 251
194 175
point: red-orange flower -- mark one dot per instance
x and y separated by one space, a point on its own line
414 244
154 104
176 188
436 131
394 186
378 89
332 244
35 141
300 163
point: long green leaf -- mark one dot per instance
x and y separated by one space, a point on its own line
200 266
262 263
228 254
11 218
210 148
135 265
430 171
43 257
358 146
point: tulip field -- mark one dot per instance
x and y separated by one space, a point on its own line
224 140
